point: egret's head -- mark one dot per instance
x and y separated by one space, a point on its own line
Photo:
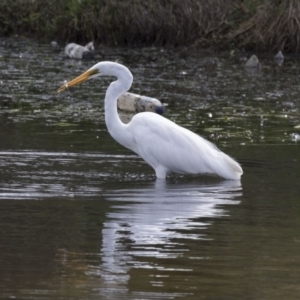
105 68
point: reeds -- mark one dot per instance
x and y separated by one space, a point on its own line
272 25
249 24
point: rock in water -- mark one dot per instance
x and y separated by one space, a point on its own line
279 58
137 103
253 62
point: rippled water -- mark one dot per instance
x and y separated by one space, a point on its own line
83 218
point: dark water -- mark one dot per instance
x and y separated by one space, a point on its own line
83 218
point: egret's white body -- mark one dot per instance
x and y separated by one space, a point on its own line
163 144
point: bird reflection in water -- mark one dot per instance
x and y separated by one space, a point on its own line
158 222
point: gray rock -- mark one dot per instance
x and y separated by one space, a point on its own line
253 62
136 103
279 58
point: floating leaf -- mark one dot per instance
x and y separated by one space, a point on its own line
61 124
213 129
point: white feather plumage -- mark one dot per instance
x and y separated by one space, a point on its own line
164 145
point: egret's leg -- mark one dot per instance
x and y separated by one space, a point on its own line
161 172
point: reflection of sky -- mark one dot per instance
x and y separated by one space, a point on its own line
153 222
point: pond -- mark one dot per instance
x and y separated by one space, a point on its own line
81 217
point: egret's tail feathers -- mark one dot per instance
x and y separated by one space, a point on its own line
236 168
231 169
218 162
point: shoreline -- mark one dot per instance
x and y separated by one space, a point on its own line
251 25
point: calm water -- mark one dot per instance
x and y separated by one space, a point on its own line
83 218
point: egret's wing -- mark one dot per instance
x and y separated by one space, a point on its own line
163 143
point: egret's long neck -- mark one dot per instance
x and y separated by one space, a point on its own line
115 126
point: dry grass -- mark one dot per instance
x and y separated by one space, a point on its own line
156 22
249 24
275 25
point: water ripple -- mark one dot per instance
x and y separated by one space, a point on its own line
38 175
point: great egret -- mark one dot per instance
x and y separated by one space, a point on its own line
80 52
164 145
137 103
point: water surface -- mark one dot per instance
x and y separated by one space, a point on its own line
83 218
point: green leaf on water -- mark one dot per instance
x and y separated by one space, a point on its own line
213 129
63 124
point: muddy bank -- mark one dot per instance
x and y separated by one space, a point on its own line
232 24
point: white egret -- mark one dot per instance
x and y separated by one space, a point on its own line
164 145
80 52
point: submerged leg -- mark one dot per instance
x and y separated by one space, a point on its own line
161 172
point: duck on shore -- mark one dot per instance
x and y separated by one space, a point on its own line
86 52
